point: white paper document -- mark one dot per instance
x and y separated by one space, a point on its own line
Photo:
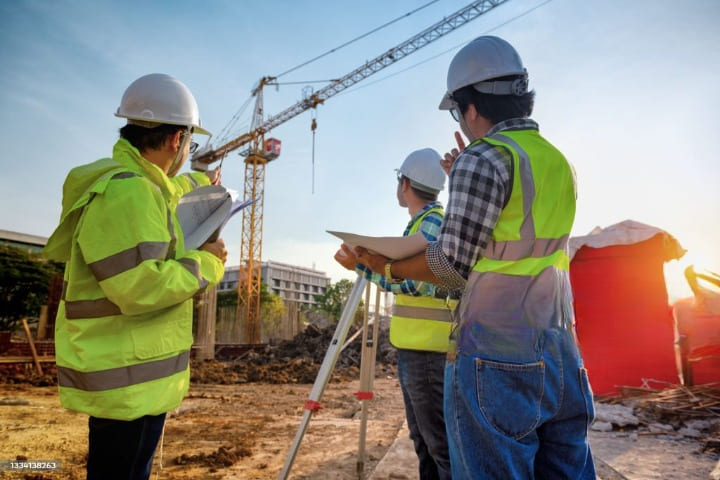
394 248
205 211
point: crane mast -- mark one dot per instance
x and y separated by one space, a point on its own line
249 274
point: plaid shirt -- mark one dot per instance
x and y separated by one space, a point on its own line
480 185
430 228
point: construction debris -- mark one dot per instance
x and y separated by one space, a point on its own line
674 411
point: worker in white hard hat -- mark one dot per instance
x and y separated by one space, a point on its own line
124 325
517 399
422 317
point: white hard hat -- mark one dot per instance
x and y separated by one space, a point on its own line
423 169
157 99
483 59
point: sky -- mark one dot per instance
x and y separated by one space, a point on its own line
628 91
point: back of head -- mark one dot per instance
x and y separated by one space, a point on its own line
422 168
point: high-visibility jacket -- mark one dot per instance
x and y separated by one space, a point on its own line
520 285
421 322
124 325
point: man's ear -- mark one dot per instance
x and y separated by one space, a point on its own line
471 113
173 141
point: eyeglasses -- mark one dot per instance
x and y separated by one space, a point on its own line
400 176
456 113
455 110
193 145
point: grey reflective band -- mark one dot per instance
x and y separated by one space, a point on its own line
519 249
122 376
192 179
124 175
422 313
102 307
194 267
128 259
527 229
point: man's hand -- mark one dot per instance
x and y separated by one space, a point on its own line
214 176
346 257
447 162
373 261
217 248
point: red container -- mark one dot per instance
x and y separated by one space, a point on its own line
624 322
697 330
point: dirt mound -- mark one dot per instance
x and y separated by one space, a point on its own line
25 373
224 456
296 361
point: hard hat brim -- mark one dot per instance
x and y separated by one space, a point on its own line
139 121
446 103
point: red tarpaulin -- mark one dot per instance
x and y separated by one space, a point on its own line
624 322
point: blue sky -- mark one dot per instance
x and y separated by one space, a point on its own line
627 90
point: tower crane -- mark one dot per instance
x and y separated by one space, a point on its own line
260 151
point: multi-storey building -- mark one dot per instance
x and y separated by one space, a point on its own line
293 283
23 241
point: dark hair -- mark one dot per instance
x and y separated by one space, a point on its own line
422 194
496 108
148 138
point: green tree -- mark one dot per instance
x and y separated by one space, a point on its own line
272 307
24 283
333 300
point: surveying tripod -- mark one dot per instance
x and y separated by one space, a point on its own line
367 370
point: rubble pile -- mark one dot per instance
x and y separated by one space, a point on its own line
297 360
676 411
26 373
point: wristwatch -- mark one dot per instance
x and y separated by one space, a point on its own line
389 275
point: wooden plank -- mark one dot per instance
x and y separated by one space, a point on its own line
25 359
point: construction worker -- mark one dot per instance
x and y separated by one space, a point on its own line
421 321
517 398
124 325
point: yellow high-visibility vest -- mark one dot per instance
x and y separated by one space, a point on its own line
421 322
124 325
520 285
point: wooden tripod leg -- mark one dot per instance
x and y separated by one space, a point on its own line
32 346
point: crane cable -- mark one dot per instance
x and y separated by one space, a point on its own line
444 51
357 38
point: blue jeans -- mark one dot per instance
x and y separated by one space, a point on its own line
123 450
421 381
520 420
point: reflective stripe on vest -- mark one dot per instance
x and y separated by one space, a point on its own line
128 259
422 313
520 284
122 376
421 322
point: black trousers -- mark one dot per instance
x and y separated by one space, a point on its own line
123 450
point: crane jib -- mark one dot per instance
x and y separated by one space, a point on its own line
438 30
